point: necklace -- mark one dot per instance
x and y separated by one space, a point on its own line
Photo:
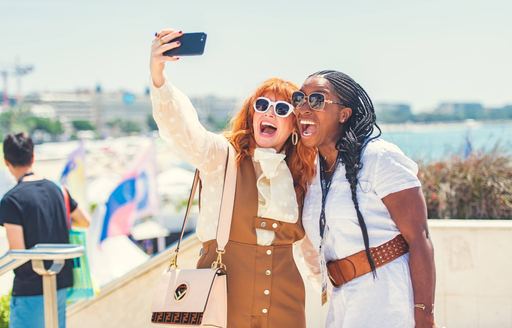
24 176
332 166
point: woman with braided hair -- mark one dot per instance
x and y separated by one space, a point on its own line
364 211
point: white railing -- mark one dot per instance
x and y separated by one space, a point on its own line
57 253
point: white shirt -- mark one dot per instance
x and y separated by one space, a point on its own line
388 297
179 125
385 170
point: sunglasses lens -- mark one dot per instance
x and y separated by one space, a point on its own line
316 100
298 98
282 109
261 105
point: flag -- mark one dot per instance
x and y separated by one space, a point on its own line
134 197
73 178
73 175
468 147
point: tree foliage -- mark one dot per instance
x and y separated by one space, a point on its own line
479 187
83 125
19 119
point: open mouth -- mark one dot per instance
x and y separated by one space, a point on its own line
307 127
267 129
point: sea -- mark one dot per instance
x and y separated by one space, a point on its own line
437 142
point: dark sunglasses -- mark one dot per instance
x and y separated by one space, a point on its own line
281 108
316 100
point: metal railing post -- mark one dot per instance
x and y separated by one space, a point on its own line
57 253
51 315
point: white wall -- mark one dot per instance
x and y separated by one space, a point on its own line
473 282
474 272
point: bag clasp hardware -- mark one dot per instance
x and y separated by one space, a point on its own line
217 264
174 261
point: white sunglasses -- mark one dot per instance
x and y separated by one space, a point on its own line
281 108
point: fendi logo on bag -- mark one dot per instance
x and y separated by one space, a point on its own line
180 292
194 318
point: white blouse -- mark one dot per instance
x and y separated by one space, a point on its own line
385 170
179 125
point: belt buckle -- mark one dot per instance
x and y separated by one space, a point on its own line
331 278
348 269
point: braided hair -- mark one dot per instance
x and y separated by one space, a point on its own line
357 132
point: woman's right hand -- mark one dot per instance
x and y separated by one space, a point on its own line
161 44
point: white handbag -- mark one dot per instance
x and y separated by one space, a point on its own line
198 297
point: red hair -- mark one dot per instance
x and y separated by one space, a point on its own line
300 159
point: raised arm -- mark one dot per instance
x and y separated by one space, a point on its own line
176 117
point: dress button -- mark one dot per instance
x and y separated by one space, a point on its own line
274 225
264 311
269 252
268 272
266 292
263 224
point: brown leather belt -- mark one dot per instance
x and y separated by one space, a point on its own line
356 265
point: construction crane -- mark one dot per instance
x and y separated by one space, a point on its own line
18 71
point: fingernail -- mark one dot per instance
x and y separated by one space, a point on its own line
178 43
156 33
180 32
178 58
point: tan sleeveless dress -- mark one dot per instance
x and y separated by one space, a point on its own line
265 288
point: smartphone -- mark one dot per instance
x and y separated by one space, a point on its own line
192 44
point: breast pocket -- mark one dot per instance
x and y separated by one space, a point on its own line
364 186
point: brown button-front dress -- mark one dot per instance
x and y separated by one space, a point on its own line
265 288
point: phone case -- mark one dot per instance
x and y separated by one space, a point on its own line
192 44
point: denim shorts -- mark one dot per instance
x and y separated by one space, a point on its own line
28 311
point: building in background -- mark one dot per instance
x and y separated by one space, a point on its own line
125 110
461 110
215 112
393 112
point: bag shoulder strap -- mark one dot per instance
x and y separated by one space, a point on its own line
228 200
66 205
226 206
189 206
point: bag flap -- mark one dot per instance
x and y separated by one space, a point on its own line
184 290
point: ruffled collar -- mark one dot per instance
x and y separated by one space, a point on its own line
276 194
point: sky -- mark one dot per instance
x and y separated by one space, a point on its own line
420 52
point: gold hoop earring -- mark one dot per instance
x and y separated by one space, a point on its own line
295 138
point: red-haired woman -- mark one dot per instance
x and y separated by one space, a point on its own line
265 287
